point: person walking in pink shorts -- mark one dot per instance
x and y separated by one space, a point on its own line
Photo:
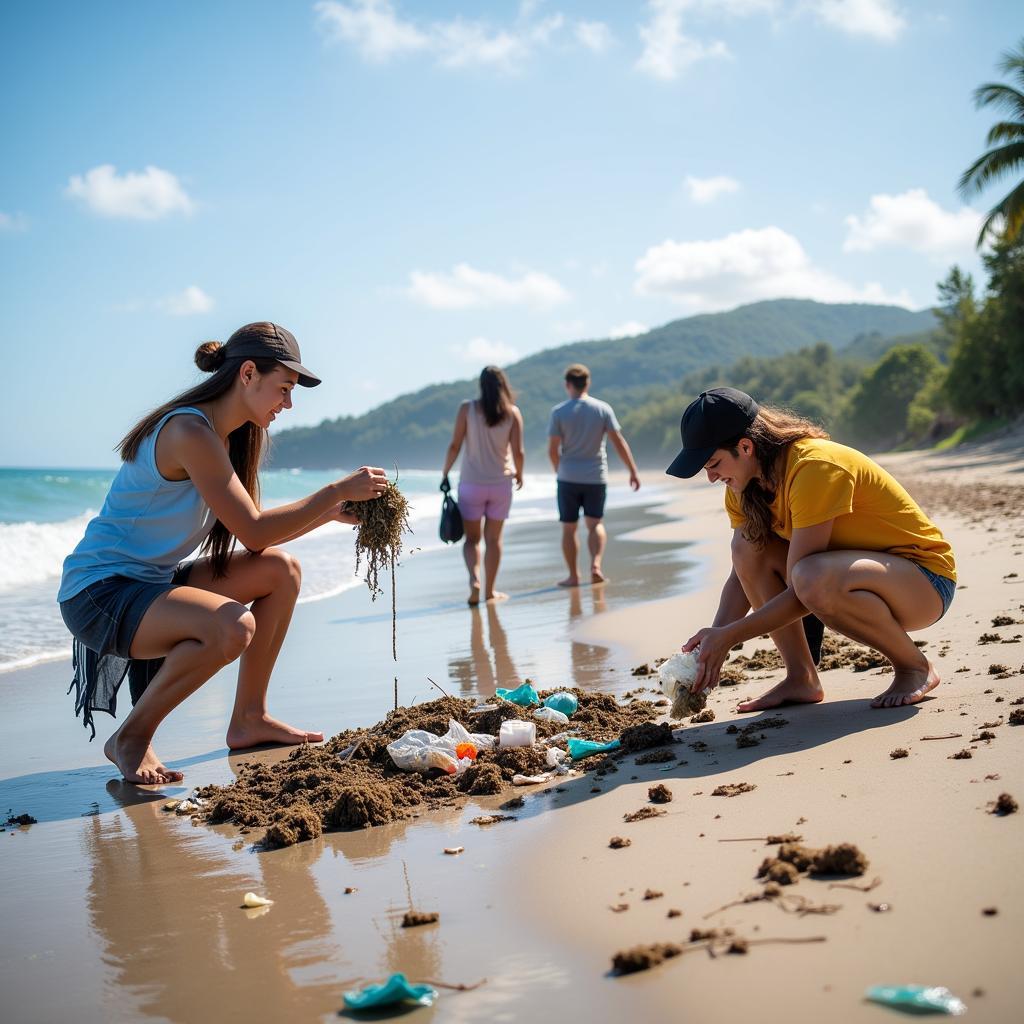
491 429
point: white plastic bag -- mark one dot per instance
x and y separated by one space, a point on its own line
546 714
418 750
677 676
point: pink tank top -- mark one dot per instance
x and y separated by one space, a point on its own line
487 452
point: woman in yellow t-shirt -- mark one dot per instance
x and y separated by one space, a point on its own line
821 533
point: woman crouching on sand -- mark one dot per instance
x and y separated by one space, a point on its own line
491 429
817 528
189 478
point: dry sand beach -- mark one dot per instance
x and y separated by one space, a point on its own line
114 909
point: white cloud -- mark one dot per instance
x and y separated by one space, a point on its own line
371 26
707 190
878 19
595 36
186 303
912 220
153 194
668 51
630 329
746 266
379 33
12 222
466 287
486 351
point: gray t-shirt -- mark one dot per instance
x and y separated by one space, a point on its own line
581 424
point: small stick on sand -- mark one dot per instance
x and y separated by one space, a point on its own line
873 884
948 736
456 988
441 688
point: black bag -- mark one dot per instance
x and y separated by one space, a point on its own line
451 518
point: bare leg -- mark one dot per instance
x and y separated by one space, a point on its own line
874 598
271 581
571 554
492 557
196 633
471 555
762 575
597 540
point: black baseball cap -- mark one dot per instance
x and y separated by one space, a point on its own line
265 340
710 420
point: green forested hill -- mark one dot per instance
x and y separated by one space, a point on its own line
413 430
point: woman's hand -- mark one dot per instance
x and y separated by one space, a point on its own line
519 481
342 515
364 484
714 649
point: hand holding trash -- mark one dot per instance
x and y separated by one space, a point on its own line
714 649
677 676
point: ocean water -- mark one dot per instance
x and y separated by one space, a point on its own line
44 512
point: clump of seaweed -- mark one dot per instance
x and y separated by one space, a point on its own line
1003 804
643 813
733 789
415 918
898 753
382 521
659 794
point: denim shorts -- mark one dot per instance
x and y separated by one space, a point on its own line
103 619
944 587
572 496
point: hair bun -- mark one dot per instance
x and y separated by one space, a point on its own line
210 356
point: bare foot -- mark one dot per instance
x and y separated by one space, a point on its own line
474 594
596 576
787 692
137 762
908 688
569 581
251 732
497 595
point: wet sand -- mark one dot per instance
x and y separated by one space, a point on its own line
113 909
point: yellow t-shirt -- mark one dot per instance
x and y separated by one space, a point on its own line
872 512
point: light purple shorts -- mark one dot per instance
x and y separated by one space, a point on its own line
491 500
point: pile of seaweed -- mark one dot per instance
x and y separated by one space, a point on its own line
351 782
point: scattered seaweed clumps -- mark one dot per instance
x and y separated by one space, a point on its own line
843 859
619 842
656 757
707 715
794 858
643 813
1017 717
734 789
644 957
1003 804
350 781
659 794
415 918
644 736
746 739
960 755
898 753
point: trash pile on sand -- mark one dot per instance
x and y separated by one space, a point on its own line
352 781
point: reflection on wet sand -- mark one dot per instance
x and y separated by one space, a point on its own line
186 951
590 662
489 664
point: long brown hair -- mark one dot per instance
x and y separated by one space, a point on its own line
771 433
496 396
246 444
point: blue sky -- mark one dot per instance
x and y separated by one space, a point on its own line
416 189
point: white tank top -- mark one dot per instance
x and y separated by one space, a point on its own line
487 452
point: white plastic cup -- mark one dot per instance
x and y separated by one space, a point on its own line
515 733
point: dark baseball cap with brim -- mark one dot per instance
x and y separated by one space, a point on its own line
710 421
270 341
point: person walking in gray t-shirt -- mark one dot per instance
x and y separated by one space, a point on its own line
576 447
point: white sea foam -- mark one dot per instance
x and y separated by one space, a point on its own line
35 552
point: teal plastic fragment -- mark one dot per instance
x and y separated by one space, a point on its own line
917 999
395 990
564 702
584 748
524 695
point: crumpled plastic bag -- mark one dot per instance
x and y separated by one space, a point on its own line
917 999
677 676
524 695
418 750
563 701
549 714
584 748
395 990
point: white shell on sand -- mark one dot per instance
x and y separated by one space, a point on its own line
250 899
454 849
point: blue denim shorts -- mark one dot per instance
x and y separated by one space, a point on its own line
103 619
944 587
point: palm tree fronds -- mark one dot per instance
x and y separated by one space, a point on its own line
1009 212
1012 61
993 164
1005 131
995 94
